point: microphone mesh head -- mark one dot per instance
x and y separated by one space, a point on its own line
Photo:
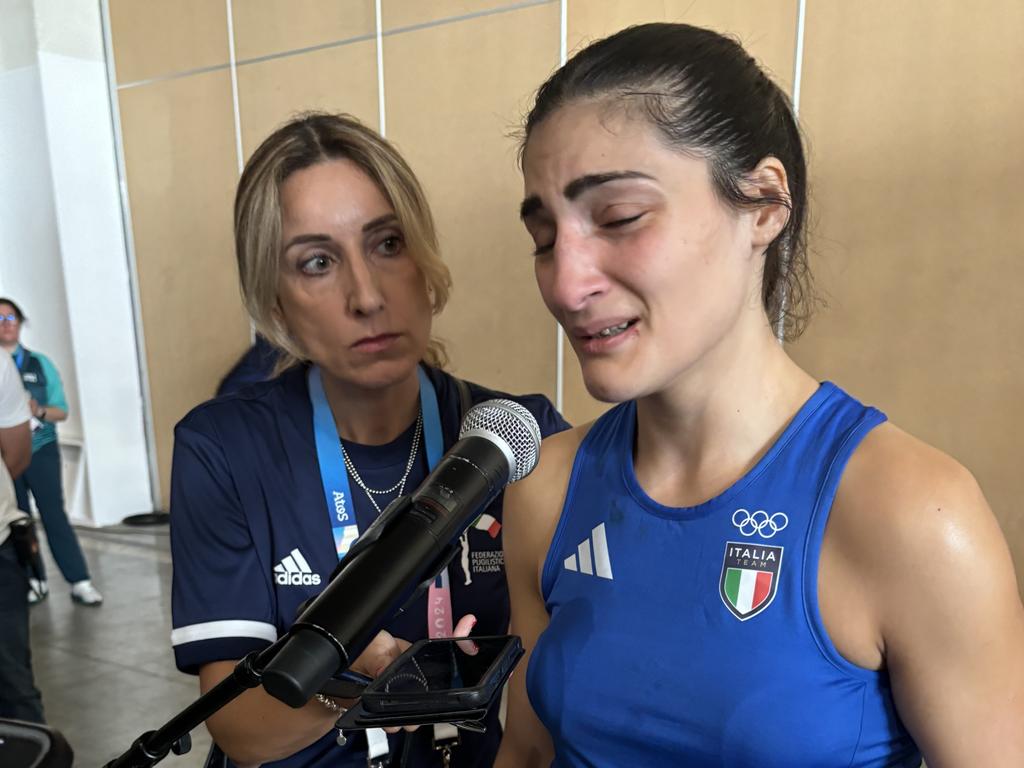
512 424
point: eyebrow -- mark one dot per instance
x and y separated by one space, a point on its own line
310 238
577 187
374 224
381 221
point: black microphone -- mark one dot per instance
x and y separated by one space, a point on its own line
405 548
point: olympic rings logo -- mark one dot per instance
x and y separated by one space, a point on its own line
759 522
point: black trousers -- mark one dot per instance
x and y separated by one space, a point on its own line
19 697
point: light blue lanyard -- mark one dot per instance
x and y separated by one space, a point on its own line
340 509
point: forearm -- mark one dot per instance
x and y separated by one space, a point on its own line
51 413
522 756
256 728
17 463
16 448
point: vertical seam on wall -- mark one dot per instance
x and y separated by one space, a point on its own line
128 234
563 28
798 72
798 57
232 64
236 113
381 111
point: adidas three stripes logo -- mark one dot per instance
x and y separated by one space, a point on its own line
592 555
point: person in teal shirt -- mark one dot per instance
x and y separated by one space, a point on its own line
43 479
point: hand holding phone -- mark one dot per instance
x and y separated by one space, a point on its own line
444 675
445 680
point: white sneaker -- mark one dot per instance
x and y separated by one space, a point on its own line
37 591
84 593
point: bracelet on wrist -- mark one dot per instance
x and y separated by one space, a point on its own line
331 704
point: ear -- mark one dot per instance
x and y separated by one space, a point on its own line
768 180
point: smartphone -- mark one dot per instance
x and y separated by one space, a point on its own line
469 720
346 685
436 676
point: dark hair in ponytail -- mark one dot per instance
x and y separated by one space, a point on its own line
707 97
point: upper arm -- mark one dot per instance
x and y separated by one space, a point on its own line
950 617
955 637
532 509
221 600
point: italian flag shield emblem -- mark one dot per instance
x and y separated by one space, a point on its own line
750 577
487 523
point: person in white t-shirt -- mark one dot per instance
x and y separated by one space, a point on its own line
19 697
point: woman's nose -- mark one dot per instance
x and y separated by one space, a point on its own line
365 296
575 275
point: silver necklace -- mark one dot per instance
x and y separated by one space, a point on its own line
400 485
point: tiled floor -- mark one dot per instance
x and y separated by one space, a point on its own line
107 674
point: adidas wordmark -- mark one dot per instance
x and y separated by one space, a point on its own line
294 571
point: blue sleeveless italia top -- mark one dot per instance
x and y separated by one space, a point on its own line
692 636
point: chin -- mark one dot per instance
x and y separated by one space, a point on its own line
383 376
385 373
608 384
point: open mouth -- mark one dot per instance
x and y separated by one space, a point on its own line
612 330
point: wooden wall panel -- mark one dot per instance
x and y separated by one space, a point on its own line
453 93
396 14
158 37
342 79
267 27
180 160
913 112
766 29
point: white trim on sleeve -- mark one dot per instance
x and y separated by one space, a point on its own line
214 630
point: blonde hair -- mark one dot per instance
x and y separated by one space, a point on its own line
309 139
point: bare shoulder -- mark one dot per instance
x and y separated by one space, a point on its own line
551 474
913 547
914 524
534 504
899 487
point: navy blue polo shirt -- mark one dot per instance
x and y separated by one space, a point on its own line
251 537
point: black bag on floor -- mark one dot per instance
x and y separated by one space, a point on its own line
26 545
30 745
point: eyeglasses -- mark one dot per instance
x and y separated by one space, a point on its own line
8 318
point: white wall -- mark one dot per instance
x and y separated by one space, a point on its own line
30 263
31 272
62 249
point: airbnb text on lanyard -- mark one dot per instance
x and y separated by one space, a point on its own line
338 496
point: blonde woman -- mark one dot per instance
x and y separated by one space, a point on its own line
339 269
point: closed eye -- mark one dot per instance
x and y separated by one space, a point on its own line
623 222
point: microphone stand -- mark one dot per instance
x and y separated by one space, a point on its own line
152 746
